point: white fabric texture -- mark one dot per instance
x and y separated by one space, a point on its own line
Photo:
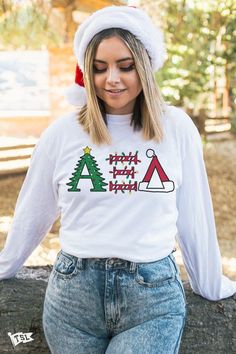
129 18
126 17
129 200
76 95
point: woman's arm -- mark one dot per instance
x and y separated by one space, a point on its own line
36 210
196 225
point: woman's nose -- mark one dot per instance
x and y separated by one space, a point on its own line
113 76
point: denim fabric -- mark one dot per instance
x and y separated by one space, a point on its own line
114 306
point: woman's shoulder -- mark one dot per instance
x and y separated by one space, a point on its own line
58 125
59 131
176 115
63 127
179 120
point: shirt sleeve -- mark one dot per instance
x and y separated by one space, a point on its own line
35 212
196 224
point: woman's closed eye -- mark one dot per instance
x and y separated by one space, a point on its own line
126 68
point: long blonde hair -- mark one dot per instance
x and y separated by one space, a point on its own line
149 105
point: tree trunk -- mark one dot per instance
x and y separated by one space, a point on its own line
225 104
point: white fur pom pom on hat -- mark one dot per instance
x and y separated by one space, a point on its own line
129 18
76 93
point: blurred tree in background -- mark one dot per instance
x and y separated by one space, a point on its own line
27 25
201 43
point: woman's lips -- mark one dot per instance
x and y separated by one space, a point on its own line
114 93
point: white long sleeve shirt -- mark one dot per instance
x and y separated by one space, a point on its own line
129 200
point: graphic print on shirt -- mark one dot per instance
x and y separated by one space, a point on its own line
128 172
89 162
155 179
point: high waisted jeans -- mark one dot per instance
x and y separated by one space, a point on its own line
114 306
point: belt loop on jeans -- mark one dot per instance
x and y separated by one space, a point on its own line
80 263
132 267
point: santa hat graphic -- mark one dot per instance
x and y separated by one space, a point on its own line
155 179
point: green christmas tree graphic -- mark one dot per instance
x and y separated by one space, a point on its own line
93 170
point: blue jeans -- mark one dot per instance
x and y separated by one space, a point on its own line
114 306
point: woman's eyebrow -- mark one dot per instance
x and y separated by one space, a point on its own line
117 61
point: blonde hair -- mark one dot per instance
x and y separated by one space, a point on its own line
149 105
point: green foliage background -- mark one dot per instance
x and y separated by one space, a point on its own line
200 37
26 25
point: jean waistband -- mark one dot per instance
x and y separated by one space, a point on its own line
104 263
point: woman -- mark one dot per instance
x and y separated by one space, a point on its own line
127 176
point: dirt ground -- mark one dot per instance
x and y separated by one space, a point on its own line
220 158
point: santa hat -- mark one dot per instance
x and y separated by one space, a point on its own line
129 18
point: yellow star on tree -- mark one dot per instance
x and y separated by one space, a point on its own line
87 150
